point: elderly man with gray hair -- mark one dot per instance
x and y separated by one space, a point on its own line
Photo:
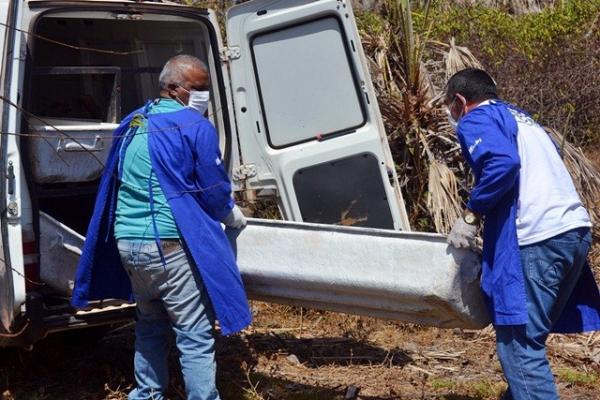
156 236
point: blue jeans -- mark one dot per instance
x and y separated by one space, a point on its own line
169 298
551 269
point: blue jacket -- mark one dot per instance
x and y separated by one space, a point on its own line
488 138
186 159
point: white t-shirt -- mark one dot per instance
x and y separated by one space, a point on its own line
548 202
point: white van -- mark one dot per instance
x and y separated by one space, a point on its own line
292 101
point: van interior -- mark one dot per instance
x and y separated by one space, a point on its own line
86 71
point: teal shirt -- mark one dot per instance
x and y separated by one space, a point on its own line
133 219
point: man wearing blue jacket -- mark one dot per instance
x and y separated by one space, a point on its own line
156 237
536 234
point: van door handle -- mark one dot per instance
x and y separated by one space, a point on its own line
67 144
11 178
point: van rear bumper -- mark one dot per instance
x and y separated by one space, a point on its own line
39 321
89 318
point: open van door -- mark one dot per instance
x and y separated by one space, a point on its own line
307 116
12 284
6 288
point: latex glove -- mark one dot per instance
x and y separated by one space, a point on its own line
462 235
235 219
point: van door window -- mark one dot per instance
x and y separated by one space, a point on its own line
138 48
323 90
77 93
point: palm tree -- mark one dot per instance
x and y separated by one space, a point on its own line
434 176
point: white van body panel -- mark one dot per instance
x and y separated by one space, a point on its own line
234 151
306 109
3 19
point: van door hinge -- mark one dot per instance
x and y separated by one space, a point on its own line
230 53
13 209
244 172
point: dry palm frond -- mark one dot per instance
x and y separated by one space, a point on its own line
406 90
434 176
409 48
444 200
594 260
459 58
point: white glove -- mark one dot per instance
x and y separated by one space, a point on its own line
462 235
235 219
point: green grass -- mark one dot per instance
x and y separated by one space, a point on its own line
486 389
578 378
441 383
497 31
480 389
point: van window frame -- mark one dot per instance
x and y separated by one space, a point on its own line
199 15
353 71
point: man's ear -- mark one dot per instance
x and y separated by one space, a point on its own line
461 98
172 90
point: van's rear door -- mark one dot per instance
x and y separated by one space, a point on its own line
6 291
307 117
12 285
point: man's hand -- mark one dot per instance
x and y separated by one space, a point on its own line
235 219
462 235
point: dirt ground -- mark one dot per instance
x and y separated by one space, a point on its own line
293 353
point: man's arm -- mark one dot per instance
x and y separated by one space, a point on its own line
215 186
493 157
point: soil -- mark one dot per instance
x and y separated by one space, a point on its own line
294 353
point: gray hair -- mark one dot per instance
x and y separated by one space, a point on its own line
176 67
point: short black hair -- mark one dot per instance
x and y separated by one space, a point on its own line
474 84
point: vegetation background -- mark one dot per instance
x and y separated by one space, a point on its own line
545 56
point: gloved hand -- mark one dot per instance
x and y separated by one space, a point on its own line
235 219
462 235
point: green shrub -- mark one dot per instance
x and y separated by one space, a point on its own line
533 35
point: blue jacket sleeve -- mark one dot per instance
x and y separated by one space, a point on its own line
493 156
215 187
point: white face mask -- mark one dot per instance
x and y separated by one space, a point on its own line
198 99
451 121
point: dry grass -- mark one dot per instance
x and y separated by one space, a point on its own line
296 354
593 154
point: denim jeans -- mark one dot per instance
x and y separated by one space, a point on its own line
169 298
551 269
